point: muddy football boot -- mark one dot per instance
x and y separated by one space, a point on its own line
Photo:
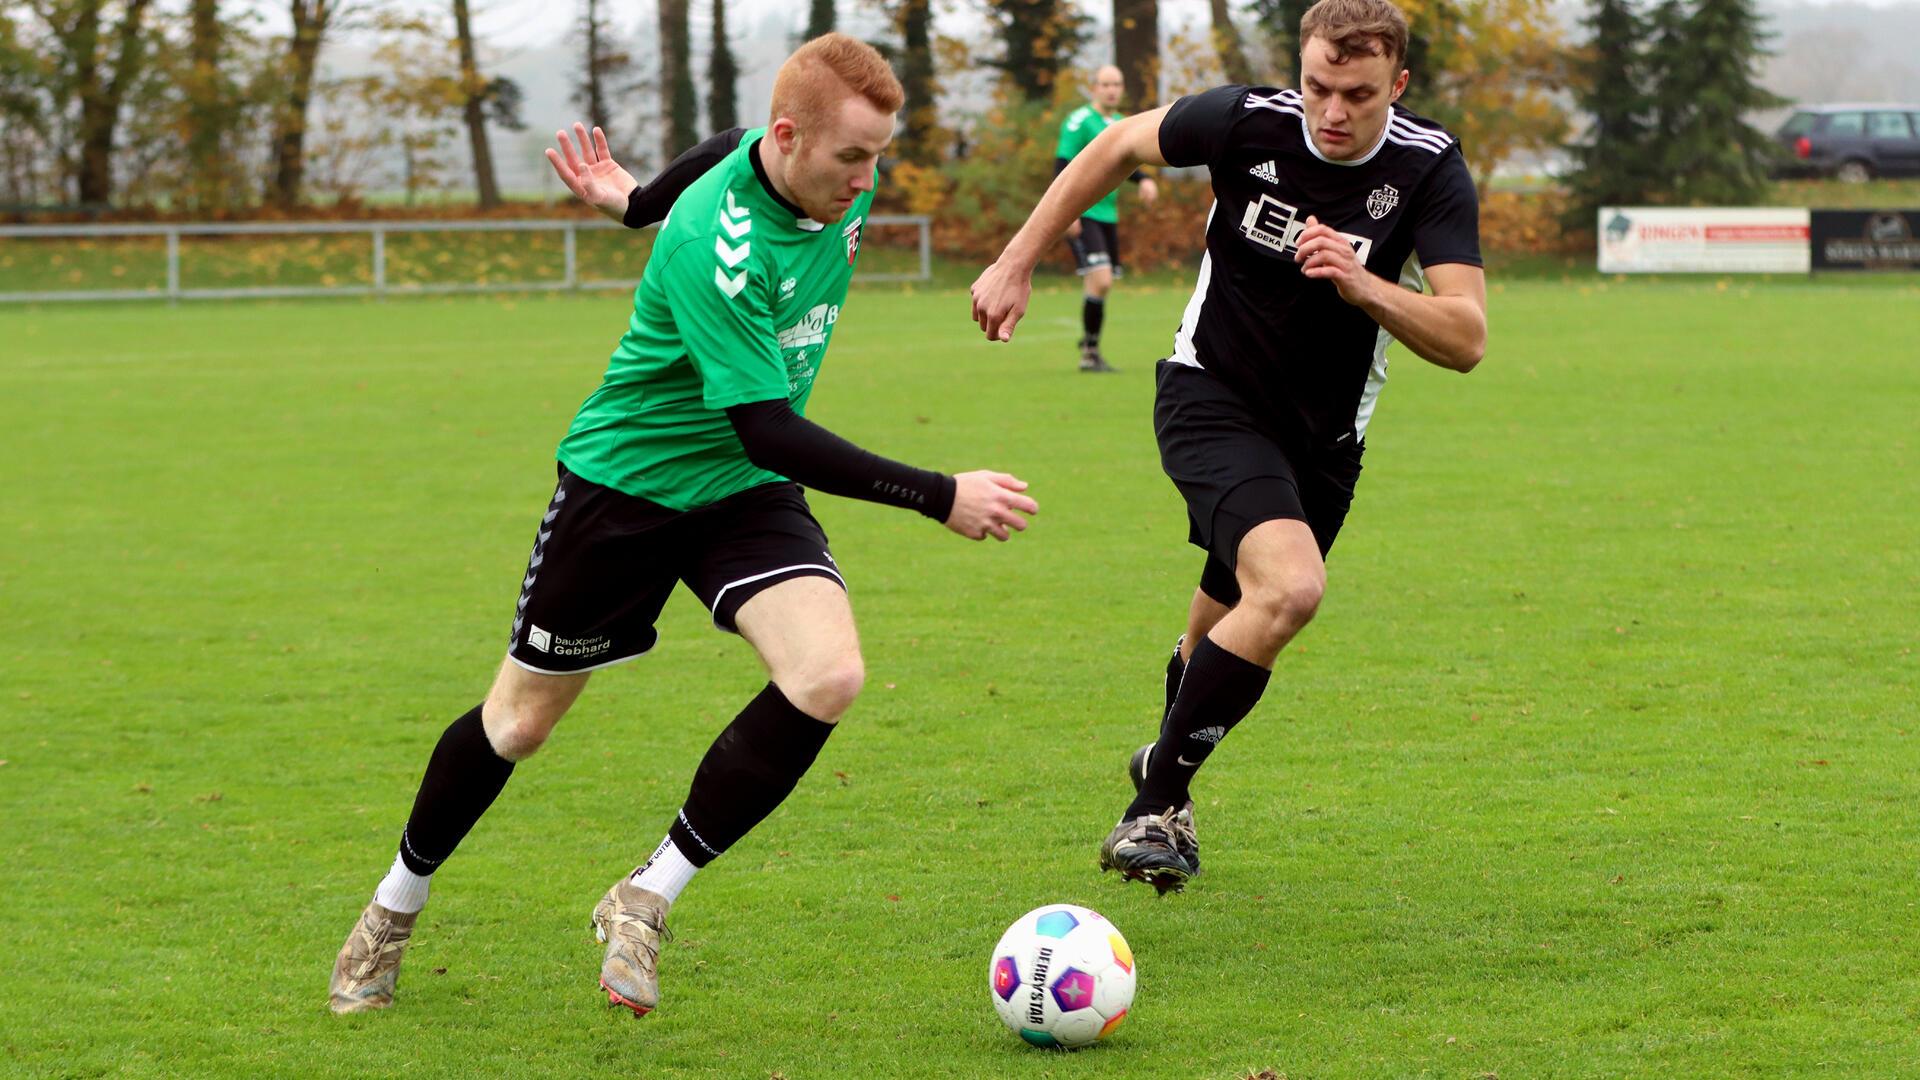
1144 849
369 963
1186 840
632 922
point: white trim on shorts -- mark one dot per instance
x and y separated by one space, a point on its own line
722 594
524 666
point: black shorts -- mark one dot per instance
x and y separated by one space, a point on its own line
604 563
1097 247
1234 472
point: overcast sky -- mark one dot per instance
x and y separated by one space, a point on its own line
542 22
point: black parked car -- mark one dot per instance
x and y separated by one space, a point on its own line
1853 143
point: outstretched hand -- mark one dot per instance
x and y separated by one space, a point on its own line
987 503
1000 297
590 172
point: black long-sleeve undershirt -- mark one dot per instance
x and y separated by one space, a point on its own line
650 202
780 440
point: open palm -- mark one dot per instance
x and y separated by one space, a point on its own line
590 172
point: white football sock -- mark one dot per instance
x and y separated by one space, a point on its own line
402 890
666 871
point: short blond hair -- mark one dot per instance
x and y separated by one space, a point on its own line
1368 27
821 74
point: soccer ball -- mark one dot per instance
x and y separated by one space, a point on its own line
1061 977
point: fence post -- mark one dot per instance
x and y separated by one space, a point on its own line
173 265
926 249
379 263
573 272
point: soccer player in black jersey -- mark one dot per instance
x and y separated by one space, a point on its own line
1333 206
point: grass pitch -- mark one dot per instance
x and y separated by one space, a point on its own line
1600 759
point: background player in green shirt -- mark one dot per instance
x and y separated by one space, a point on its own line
685 466
1095 236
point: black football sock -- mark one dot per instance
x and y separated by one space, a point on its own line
1092 314
1176 668
750 769
1218 690
463 778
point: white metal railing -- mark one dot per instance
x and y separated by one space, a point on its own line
378 232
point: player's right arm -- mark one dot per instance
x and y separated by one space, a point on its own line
1000 293
589 171
648 203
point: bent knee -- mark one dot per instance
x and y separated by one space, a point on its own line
516 732
828 689
1289 604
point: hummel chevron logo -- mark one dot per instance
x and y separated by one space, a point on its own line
1266 171
737 220
732 256
729 285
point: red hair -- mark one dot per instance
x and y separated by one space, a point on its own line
821 74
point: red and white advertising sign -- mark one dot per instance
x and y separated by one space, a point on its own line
1705 240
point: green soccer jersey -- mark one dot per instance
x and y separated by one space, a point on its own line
737 305
1076 131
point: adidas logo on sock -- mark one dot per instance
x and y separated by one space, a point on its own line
1266 171
1209 734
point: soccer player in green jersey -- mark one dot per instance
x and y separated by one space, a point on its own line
686 465
1094 237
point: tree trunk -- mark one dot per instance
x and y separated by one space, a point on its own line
310 19
1226 41
723 75
206 112
593 91
820 18
474 89
676 81
100 105
82 44
1136 50
1040 36
917 78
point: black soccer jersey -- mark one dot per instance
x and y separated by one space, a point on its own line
1297 352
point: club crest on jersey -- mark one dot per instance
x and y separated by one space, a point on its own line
1382 201
852 233
1277 226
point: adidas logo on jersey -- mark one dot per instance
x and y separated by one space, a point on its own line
1266 171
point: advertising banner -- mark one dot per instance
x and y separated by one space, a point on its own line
1866 239
1704 240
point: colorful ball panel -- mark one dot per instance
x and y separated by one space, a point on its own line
1006 978
1039 1038
1073 990
1055 924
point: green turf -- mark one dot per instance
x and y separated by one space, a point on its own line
1600 759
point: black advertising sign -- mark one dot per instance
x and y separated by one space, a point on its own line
1866 239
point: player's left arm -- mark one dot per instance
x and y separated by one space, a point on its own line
1448 328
